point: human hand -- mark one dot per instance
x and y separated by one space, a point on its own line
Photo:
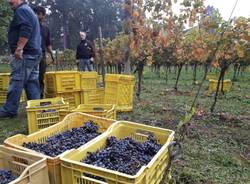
53 59
18 53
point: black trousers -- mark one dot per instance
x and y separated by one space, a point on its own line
42 70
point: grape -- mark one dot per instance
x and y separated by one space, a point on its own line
6 176
125 155
67 140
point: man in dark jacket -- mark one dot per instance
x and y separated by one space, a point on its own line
85 53
25 44
45 44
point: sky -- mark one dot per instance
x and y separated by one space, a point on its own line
225 7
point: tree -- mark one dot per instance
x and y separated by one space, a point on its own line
67 18
5 17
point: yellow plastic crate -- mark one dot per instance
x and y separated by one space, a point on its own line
101 110
29 168
3 96
92 96
74 120
119 90
4 81
212 76
88 80
44 113
227 85
73 98
74 171
63 81
99 79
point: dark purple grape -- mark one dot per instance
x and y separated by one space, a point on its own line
125 155
6 176
67 140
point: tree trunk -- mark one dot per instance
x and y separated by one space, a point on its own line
128 13
169 68
198 92
101 55
186 68
194 74
140 73
166 74
235 72
238 72
158 70
178 76
222 73
119 68
65 44
175 69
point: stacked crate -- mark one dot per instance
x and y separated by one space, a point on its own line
4 85
65 84
90 94
119 90
44 113
75 87
101 110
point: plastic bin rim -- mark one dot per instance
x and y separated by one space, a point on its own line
43 130
3 74
120 123
63 72
29 102
25 171
115 125
144 167
104 169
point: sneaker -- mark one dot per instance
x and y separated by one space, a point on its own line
4 115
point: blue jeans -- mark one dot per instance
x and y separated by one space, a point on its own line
85 63
24 75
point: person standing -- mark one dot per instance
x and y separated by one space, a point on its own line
45 44
25 45
85 53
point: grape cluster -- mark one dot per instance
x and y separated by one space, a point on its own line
67 140
6 176
125 155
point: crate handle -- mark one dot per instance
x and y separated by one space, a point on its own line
69 88
172 155
93 180
98 109
143 133
45 103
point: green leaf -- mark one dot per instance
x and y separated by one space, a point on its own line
185 119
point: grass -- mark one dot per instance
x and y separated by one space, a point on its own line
216 146
4 68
